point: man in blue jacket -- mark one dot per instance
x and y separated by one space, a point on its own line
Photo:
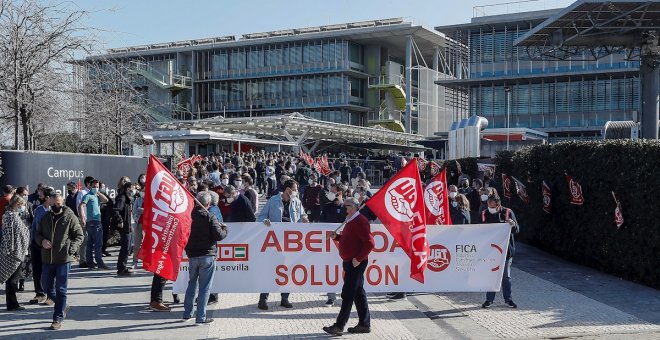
283 207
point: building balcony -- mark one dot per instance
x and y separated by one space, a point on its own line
282 103
273 71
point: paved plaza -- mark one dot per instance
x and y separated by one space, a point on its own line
556 299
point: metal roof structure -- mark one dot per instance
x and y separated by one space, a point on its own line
294 128
602 27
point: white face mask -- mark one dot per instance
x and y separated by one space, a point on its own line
332 196
133 192
294 194
492 210
452 194
356 196
484 198
224 181
238 184
454 204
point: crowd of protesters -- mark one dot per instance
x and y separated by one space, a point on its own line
44 233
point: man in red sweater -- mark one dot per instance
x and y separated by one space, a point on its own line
355 244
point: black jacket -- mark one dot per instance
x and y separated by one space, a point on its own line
458 216
333 213
499 217
122 211
241 210
205 232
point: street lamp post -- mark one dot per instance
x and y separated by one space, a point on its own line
507 91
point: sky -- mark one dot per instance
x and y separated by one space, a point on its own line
121 23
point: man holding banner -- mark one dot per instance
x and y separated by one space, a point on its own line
355 244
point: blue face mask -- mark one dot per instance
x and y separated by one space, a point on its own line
94 191
21 209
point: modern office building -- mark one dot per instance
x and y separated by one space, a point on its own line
379 72
567 99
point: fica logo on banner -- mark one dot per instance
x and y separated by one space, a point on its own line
400 199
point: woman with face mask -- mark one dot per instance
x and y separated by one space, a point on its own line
137 230
13 250
121 221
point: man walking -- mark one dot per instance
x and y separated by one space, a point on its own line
82 261
283 207
205 232
355 244
59 234
496 213
90 217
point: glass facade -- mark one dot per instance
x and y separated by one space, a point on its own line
309 76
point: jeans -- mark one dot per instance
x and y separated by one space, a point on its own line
122 260
137 242
11 287
59 274
506 283
94 243
202 270
36 269
83 247
353 292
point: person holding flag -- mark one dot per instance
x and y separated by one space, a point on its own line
355 244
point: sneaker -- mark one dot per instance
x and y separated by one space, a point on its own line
55 325
16 309
334 330
286 304
510 304
38 299
159 307
49 302
487 304
398 296
262 305
66 310
330 303
390 294
359 329
205 322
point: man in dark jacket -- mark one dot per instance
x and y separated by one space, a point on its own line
496 213
205 232
59 234
241 207
123 209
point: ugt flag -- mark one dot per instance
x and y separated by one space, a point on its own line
166 221
437 201
399 205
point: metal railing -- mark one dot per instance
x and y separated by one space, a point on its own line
337 65
220 104
518 7
167 79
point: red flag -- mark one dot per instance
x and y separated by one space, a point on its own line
309 159
521 189
437 201
325 167
400 207
576 191
435 168
184 166
318 166
166 221
79 185
618 214
506 185
547 198
421 163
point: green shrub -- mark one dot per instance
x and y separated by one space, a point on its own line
587 234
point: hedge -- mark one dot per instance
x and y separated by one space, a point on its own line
587 234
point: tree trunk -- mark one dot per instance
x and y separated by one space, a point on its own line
25 128
15 122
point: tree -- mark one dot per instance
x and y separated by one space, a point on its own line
36 40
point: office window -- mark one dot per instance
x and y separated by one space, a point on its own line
355 53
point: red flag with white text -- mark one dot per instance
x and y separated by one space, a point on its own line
436 198
399 205
547 198
506 186
166 221
575 190
521 190
435 169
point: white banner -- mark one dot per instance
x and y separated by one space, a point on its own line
289 257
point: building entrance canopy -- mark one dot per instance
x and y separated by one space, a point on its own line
294 128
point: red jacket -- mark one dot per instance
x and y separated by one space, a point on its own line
356 241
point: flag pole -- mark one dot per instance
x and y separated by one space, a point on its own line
344 223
